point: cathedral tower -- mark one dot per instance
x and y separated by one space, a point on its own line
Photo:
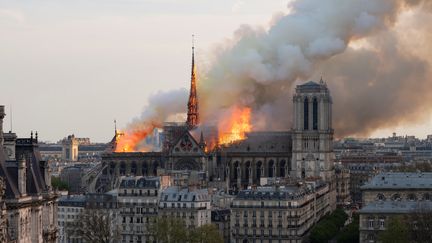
193 115
312 135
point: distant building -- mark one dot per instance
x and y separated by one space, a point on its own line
284 214
389 194
188 204
69 209
73 176
222 219
70 148
137 199
342 176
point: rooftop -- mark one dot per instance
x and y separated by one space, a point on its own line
400 180
140 182
177 194
396 207
282 193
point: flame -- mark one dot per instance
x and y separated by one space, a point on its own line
235 125
131 141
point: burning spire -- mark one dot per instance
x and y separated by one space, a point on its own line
193 115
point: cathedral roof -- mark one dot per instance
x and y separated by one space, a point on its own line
310 84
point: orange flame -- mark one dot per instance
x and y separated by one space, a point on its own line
234 127
130 141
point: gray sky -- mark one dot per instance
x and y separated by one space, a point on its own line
73 66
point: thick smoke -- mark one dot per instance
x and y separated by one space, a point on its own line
375 80
161 107
376 73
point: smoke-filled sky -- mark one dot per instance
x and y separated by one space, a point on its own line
73 66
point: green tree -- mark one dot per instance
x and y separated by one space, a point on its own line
169 230
57 183
172 230
350 233
206 234
328 227
396 231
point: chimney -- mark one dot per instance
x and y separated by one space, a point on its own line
22 175
2 115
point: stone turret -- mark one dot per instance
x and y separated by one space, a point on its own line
2 115
22 168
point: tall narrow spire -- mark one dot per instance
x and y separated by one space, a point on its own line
193 115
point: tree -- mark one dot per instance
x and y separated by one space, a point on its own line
420 225
350 233
169 230
57 183
396 231
173 230
328 227
206 234
95 225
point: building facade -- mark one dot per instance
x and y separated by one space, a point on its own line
389 194
284 214
30 203
137 199
69 209
188 204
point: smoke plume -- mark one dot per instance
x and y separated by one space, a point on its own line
377 75
375 80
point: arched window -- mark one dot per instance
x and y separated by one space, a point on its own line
122 168
270 168
144 169
282 168
236 165
381 197
248 165
112 168
306 114
134 168
155 167
412 197
258 170
396 197
426 197
315 114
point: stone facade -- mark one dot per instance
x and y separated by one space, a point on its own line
137 199
389 194
283 214
31 205
342 177
312 132
69 209
189 204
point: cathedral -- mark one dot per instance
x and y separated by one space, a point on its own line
304 152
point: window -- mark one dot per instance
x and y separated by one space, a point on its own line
370 223
315 114
380 197
306 114
412 197
381 223
396 197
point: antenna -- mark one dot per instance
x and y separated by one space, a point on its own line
11 127
193 41
115 126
